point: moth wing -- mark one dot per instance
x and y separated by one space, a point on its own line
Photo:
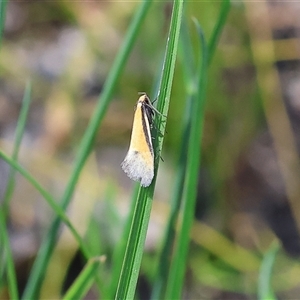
139 166
139 163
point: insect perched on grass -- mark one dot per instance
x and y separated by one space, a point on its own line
139 161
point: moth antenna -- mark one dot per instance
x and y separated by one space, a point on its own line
152 107
154 100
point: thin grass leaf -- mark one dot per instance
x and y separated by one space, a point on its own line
19 134
12 282
120 250
176 275
134 249
8 258
3 5
135 246
84 280
39 268
188 58
213 42
265 291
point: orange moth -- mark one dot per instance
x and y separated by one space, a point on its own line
139 161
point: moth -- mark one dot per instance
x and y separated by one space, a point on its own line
139 161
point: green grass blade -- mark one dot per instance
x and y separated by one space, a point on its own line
176 275
169 237
134 249
8 258
84 280
218 29
19 134
22 120
3 5
265 291
163 99
119 252
40 264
